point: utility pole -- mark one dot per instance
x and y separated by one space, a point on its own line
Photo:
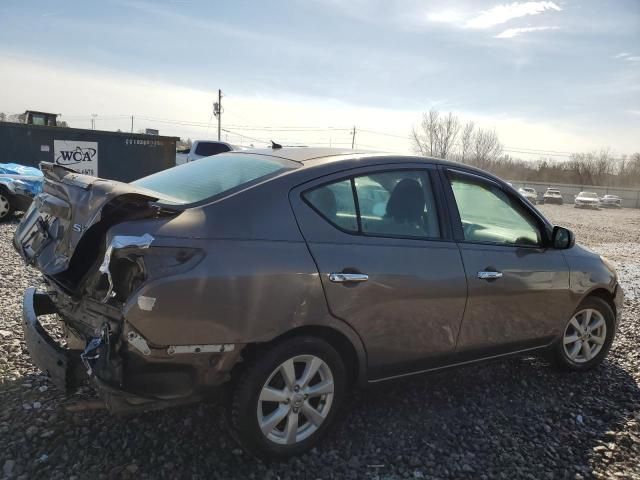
131 123
353 137
217 111
93 121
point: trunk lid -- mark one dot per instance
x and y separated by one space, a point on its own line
71 216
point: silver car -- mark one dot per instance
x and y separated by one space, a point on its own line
587 200
529 193
611 201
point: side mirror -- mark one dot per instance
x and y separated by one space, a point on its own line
562 238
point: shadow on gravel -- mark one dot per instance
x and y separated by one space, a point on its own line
508 420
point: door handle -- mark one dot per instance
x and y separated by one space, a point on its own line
489 275
348 277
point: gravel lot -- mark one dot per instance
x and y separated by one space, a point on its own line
514 419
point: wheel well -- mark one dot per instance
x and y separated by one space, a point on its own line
332 336
606 296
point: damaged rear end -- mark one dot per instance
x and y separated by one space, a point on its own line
78 233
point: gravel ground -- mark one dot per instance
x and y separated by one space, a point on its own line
513 419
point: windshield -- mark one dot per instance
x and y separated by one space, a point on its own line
588 195
209 176
529 190
554 192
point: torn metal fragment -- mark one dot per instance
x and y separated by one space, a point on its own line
117 242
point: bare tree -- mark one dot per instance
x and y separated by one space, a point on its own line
486 148
466 141
437 135
425 138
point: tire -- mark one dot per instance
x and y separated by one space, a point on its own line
245 406
6 208
591 311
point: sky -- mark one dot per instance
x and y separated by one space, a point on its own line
552 77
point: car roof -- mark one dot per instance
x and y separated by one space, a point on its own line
307 154
318 158
315 156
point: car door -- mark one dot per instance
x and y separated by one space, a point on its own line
518 288
387 262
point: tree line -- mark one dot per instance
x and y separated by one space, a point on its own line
445 136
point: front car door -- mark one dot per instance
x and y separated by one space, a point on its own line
387 262
518 287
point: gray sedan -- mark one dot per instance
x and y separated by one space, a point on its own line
287 277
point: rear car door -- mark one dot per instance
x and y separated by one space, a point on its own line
518 288
387 262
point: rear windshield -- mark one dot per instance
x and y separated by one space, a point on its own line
196 181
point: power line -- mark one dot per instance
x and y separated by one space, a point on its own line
291 129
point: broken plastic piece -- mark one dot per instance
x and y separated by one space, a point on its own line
139 343
117 242
211 348
91 351
146 303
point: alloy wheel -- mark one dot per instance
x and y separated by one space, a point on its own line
295 400
4 206
585 335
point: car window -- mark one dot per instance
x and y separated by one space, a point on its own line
211 148
209 176
335 203
397 204
488 214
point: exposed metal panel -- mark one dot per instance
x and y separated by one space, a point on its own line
115 155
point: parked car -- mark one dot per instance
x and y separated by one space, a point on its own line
200 149
18 185
587 200
287 277
552 195
529 193
611 201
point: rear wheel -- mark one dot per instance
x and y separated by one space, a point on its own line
6 209
286 399
587 336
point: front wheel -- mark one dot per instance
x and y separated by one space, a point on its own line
5 206
587 336
286 399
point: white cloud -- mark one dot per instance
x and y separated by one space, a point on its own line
445 16
621 55
503 13
633 59
514 32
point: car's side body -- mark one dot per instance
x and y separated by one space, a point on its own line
611 201
260 268
18 185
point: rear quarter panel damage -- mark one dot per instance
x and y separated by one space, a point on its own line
255 281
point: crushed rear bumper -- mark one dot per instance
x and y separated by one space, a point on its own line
142 383
62 365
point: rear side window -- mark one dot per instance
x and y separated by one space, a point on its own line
196 181
397 204
336 204
207 149
389 204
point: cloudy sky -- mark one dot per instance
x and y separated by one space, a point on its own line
558 76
